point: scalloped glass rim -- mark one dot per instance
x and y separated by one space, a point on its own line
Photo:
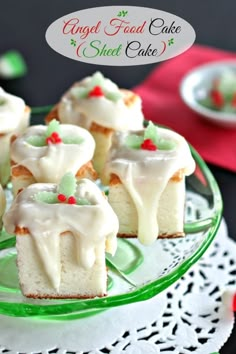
79 308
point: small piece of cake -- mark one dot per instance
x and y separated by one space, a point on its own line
146 173
2 205
14 118
97 104
46 153
62 233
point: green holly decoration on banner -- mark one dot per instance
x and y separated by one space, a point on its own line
73 42
122 13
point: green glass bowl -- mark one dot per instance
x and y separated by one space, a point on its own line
137 272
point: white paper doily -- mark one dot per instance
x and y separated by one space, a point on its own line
189 317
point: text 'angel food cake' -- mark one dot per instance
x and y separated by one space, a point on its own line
62 233
97 104
146 173
14 118
45 154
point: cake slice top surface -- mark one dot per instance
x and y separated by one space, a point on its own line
48 154
97 99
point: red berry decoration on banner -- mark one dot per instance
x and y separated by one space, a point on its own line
217 98
96 92
148 145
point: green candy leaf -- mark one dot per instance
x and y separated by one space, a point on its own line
114 96
228 108
54 126
36 140
133 141
97 79
207 102
46 197
72 140
79 92
82 201
164 144
151 133
67 185
227 83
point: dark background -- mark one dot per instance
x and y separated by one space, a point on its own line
23 25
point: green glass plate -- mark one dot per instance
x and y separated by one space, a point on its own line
137 272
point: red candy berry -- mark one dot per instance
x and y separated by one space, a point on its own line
54 135
54 138
49 140
217 98
71 200
148 145
96 92
61 197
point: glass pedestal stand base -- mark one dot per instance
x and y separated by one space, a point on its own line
189 317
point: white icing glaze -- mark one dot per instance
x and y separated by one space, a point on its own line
145 175
101 110
90 225
11 112
50 162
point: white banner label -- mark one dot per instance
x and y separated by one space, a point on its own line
120 35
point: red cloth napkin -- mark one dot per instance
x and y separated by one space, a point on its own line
162 104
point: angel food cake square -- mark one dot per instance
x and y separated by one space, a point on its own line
62 233
97 104
45 154
14 118
146 175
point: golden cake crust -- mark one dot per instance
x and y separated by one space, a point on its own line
84 171
93 128
129 97
178 176
53 114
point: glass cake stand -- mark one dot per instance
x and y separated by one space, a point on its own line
136 272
